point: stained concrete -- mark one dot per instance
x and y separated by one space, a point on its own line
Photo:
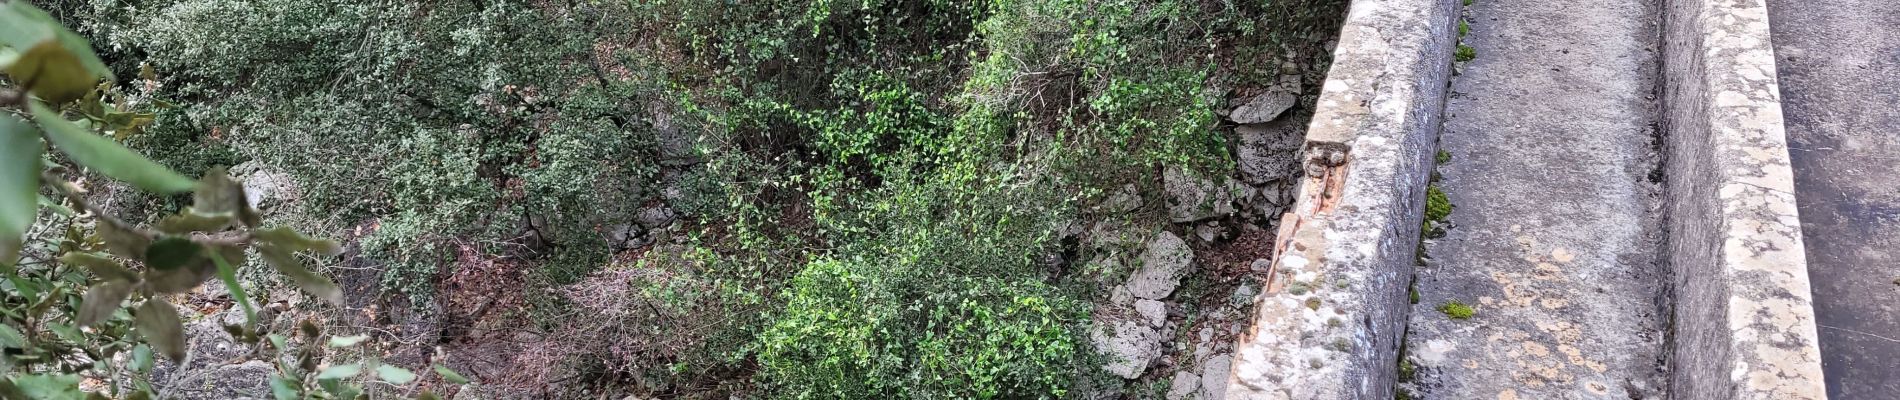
1840 72
1327 324
1555 236
1743 323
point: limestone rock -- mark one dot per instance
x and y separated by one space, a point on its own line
264 188
1162 265
1184 385
1268 151
621 236
1125 200
1154 312
1130 345
655 218
1268 106
1214 376
1244 294
1192 198
1209 231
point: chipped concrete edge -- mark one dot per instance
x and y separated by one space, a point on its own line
1329 321
1744 321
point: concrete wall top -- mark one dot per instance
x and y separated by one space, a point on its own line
1327 325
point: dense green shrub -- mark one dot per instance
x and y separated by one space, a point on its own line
849 331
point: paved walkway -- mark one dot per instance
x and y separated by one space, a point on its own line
1840 85
1554 239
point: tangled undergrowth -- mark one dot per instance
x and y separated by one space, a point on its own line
779 198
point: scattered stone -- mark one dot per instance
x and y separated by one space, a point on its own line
622 236
1192 198
1162 265
264 188
1208 231
1121 296
1243 295
676 145
1261 265
1126 200
1214 376
1155 312
1268 152
1268 106
1184 385
654 218
1130 346
1114 236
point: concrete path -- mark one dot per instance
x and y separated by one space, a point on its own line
1840 85
1555 236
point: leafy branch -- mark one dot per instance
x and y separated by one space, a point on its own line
55 73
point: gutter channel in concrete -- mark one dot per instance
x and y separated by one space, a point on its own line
1329 323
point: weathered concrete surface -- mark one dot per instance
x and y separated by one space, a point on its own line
1555 236
1327 325
1744 326
1840 82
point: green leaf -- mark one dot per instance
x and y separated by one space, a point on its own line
192 274
57 64
228 274
281 389
64 331
49 387
292 267
344 371
57 208
121 239
20 151
347 341
102 300
142 358
28 288
191 220
104 268
159 322
292 241
450 375
108 157
340 390
11 338
171 252
218 194
394 374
